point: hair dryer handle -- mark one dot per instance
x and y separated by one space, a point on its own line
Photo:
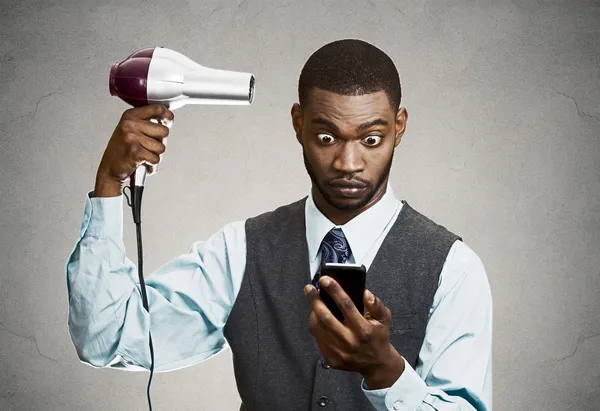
138 178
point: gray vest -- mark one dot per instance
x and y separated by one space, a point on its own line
276 360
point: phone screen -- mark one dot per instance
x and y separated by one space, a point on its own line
352 278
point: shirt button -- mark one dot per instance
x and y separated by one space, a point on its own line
323 401
397 405
324 364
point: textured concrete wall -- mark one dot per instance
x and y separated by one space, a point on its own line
502 147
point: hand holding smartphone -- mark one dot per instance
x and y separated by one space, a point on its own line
352 278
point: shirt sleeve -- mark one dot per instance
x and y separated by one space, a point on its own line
454 370
189 297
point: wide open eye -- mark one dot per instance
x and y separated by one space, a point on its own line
325 138
372 141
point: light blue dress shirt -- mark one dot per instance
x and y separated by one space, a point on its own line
191 296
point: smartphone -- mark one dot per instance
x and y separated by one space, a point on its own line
352 278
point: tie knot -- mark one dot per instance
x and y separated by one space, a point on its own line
335 248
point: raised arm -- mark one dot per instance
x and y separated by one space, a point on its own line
189 297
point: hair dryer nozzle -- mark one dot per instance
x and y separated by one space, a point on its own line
251 92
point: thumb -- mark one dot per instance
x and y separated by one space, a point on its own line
377 310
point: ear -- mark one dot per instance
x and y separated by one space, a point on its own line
296 113
401 120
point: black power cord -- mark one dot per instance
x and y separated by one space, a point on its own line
136 204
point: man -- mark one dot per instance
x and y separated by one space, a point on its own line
425 341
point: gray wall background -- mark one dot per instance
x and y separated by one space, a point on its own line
502 147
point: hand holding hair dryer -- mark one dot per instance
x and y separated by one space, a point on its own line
160 75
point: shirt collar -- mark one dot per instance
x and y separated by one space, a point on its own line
361 232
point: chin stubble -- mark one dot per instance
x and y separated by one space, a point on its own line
349 207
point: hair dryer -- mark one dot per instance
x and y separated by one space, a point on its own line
160 75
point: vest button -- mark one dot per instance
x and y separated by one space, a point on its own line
323 401
324 364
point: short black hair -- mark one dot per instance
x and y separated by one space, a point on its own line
350 67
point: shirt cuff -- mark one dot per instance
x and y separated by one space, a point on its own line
377 397
102 216
406 394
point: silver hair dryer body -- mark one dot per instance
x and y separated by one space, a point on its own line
160 75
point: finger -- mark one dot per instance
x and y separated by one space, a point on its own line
311 294
324 316
154 130
377 310
352 317
152 145
150 111
143 155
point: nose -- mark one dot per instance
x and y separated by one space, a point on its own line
349 159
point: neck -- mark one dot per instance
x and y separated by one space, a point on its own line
341 217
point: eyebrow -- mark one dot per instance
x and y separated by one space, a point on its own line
377 122
364 126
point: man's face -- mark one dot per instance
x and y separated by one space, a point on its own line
348 144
